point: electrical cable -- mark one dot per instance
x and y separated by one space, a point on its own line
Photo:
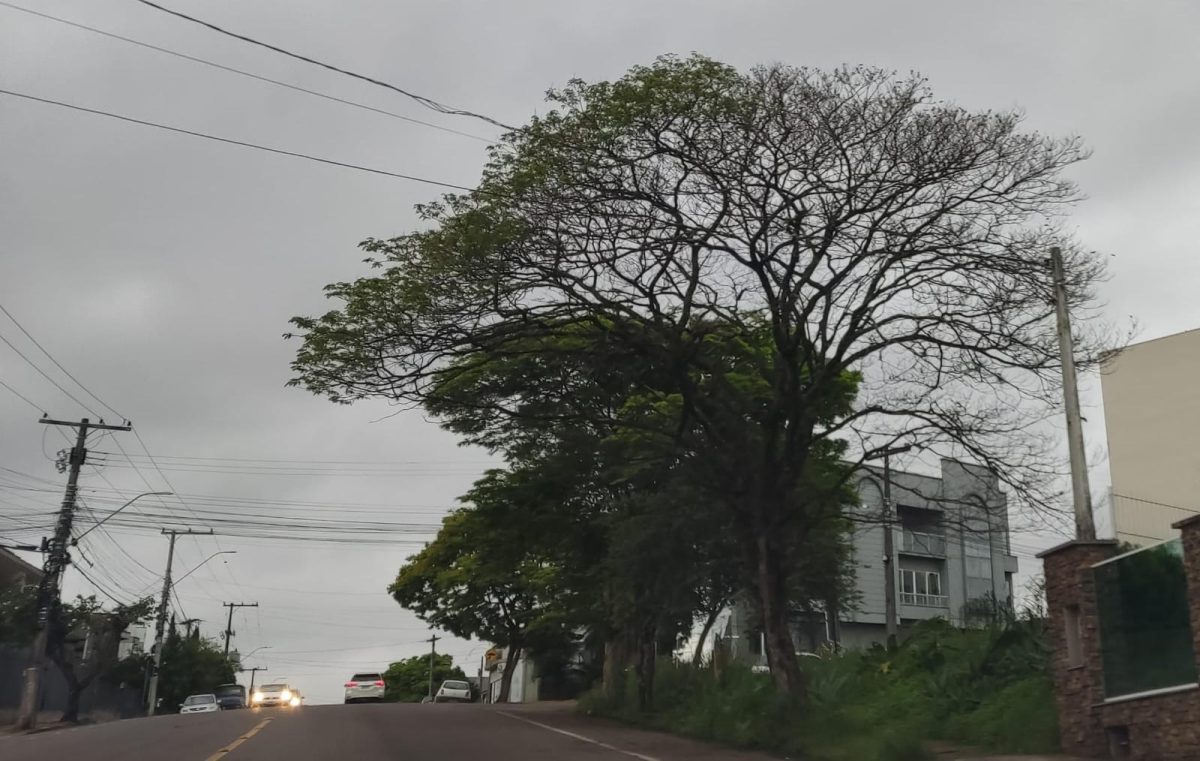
243 73
57 364
22 397
43 372
424 101
231 141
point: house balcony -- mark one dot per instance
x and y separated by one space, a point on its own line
924 601
918 543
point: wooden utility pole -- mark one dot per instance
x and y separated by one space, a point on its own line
253 673
229 624
1085 527
161 620
432 652
57 559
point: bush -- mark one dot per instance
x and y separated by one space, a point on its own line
984 687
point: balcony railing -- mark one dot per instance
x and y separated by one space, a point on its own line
924 601
924 544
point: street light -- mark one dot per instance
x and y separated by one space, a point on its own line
252 652
210 557
75 541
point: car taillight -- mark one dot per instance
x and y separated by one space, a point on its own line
379 683
351 684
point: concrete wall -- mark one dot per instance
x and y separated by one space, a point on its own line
1152 414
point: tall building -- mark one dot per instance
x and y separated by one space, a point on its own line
952 560
1152 414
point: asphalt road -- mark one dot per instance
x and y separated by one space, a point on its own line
368 732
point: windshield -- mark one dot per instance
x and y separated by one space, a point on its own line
195 700
273 687
366 678
455 685
226 690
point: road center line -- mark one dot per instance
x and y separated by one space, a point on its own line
231 746
579 737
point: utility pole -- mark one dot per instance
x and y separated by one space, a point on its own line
1085 527
432 652
56 562
188 622
160 622
889 554
229 625
253 673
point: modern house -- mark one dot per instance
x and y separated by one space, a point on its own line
951 557
16 572
1152 417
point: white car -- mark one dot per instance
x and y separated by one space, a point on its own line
275 696
200 704
365 686
452 689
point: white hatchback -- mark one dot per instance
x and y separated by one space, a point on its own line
453 690
365 686
200 704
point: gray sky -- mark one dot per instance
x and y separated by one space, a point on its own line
161 269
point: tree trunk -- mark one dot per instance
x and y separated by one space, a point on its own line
74 693
698 656
647 656
618 654
511 657
772 599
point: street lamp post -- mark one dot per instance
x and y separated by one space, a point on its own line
197 568
100 523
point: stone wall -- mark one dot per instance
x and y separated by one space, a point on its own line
1162 726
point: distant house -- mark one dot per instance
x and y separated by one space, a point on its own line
16 572
524 687
952 560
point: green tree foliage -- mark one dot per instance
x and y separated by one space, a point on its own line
190 666
82 637
769 265
408 680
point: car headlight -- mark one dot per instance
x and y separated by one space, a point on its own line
258 697
295 702
286 695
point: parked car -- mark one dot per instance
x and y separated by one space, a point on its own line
230 696
368 685
275 696
200 704
452 690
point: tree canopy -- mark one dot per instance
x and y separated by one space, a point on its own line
760 278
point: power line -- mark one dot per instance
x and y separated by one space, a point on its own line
243 73
231 141
424 101
43 372
1157 504
57 364
22 397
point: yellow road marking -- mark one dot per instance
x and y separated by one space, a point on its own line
233 745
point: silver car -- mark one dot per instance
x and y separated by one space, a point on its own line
367 686
200 704
453 690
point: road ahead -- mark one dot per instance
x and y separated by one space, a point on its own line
367 732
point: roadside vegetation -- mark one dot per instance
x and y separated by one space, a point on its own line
986 688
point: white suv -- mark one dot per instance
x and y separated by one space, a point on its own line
365 686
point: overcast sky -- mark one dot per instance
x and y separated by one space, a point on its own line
161 269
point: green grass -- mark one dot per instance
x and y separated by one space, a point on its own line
986 688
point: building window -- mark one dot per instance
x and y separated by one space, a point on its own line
1074 636
921 588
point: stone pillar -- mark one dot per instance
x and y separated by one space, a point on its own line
1189 532
1074 629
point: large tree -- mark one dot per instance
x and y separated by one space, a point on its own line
408 680
843 221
